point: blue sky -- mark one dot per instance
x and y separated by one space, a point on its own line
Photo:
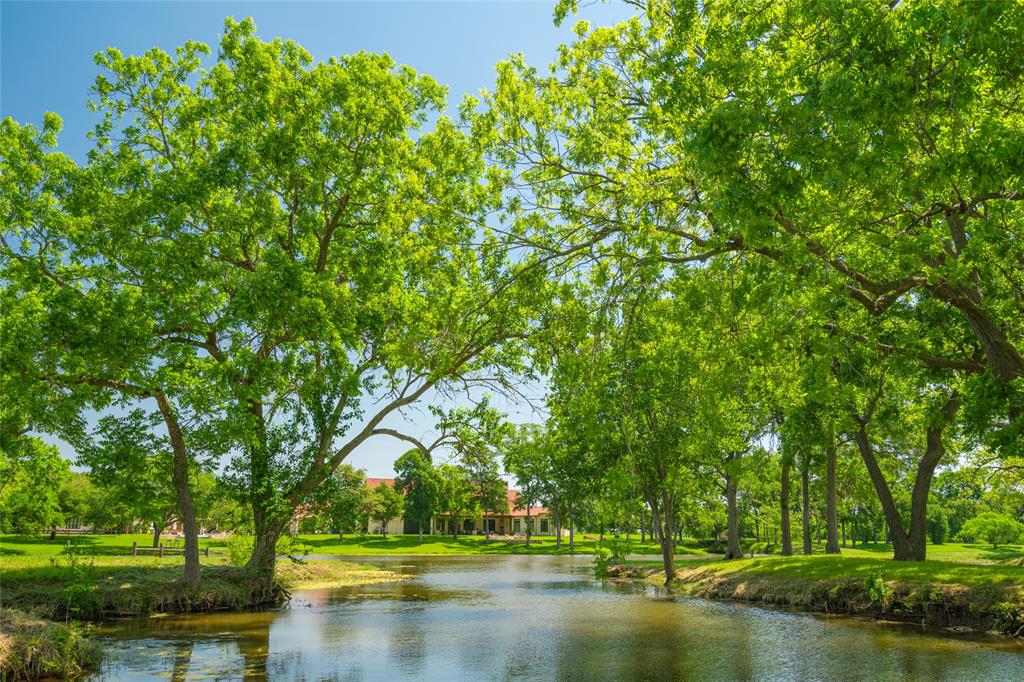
46 51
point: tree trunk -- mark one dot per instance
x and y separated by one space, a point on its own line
529 528
157 530
667 550
264 554
831 509
787 536
572 532
183 493
732 549
805 484
909 545
558 527
419 527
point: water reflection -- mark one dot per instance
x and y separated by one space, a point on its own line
523 617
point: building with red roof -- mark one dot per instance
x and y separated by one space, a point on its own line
515 522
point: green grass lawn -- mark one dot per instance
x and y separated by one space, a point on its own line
973 553
465 545
831 567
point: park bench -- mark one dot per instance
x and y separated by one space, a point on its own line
163 551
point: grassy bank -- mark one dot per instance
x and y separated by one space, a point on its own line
31 648
99 588
937 593
93 578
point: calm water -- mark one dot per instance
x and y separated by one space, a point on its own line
534 618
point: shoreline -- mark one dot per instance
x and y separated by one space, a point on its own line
949 608
48 619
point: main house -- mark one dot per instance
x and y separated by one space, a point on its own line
515 522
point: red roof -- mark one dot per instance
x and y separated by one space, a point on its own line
513 497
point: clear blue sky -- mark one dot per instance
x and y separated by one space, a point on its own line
46 51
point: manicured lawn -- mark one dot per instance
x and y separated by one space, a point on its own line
974 553
831 567
468 544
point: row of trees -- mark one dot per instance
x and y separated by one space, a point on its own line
795 223
719 230
40 492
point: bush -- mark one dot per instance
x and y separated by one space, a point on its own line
878 592
606 554
997 529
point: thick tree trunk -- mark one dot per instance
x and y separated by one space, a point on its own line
182 491
787 536
831 509
732 549
264 554
805 487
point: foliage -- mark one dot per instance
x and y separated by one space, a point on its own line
457 497
997 529
270 250
938 525
417 481
381 504
31 475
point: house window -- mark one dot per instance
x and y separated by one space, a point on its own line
518 525
543 525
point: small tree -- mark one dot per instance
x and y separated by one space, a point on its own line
997 529
336 504
381 504
457 495
418 482
938 525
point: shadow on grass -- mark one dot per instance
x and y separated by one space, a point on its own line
1003 553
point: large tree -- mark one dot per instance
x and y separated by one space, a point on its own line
272 248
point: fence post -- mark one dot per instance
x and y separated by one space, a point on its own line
161 550
135 548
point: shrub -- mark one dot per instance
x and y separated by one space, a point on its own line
607 554
878 592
